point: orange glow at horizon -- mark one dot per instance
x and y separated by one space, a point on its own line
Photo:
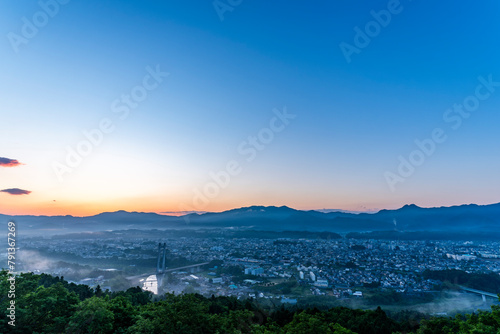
26 206
53 203
22 205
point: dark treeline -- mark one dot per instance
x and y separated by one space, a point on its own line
47 304
424 235
489 282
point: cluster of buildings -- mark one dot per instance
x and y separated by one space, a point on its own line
340 267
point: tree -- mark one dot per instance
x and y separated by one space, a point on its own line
93 315
187 314
438 325
124 312
305 322
46 310
98 291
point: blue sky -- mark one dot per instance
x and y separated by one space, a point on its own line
353 119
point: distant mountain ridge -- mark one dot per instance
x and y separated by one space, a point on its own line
469 218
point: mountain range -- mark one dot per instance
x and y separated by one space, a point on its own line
463 219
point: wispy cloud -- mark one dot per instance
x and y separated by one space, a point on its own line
6 162
16 191
181 213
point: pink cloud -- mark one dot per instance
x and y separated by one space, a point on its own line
6 162
16 191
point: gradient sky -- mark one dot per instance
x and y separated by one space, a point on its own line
353 120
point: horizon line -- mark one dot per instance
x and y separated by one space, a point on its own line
185 213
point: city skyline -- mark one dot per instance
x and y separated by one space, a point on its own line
209 106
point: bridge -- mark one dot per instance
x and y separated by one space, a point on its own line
483 294
161 270
193 266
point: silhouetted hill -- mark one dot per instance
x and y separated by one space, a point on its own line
461 219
